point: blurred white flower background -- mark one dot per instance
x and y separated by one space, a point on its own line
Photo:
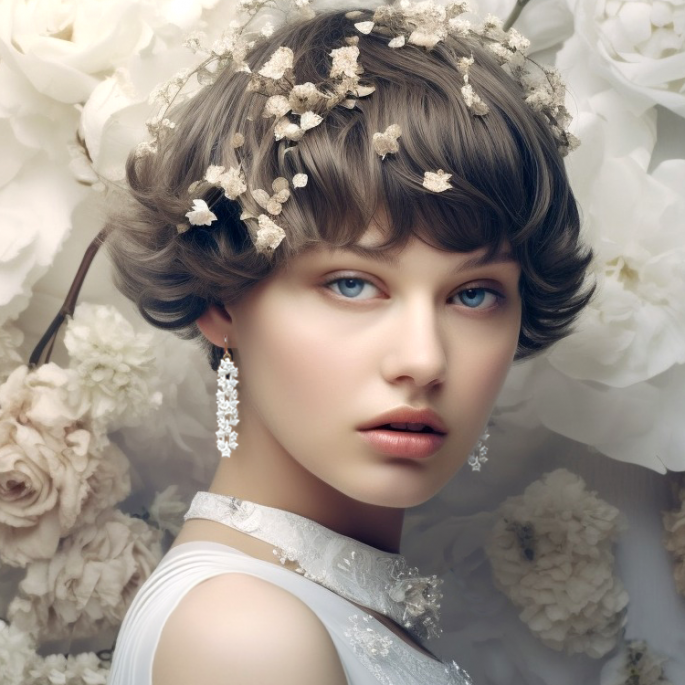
554 558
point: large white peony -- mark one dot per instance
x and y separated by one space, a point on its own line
639 45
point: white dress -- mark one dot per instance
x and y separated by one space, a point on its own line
369 652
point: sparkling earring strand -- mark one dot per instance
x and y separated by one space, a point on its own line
227 403
479 455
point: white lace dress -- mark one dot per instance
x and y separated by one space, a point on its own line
369 652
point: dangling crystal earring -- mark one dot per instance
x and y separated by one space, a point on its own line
479 455
227 403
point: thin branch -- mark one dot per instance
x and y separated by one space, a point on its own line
511 19
67 308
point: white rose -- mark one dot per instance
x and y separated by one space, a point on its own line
35 223
639 45
90 582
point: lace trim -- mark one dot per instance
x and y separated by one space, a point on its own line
377 580
392 662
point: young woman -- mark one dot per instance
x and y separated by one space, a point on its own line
372 250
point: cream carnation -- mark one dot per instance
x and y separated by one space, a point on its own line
90 582
551 554
116 366
82 669
17 655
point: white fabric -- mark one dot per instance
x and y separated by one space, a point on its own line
368 651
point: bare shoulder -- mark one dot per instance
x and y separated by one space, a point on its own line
236 628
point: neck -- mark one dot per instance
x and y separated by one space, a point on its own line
260 471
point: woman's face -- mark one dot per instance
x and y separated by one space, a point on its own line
338 339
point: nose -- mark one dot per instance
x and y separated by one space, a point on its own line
416 349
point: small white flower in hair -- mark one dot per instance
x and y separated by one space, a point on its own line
436 181
345 61
213 174
278 64
276 106
300 180
310 120
200 214
397 42
386 142
473 101
233 182
269 234
364 27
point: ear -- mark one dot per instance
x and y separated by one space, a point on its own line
216 324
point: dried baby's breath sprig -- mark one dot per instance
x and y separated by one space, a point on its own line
386 142
437 181
300 180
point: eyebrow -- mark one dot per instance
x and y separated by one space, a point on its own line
390 258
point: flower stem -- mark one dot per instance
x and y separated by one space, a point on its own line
69 304
514 15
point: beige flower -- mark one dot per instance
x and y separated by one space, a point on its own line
237 140
269 234
397 42
10 339
200 214
278 64
48 456
364 27
551 554
17 655
90 582
310 120
304 96
473 101
213 174
85 668
345 62
233 182
117 372
386 143
437 181
300 180
276 106
285 128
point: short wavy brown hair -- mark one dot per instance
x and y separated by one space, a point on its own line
509 182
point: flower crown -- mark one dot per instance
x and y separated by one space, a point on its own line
297 108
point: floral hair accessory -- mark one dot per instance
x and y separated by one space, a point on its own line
437 181
299 108
386 143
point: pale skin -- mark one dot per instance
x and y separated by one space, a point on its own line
318 357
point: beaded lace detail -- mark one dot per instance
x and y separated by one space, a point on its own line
391 663
374 579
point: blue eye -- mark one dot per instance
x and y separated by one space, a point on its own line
349 287
474 298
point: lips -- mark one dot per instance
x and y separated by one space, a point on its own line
409 420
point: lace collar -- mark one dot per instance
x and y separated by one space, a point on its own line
380 581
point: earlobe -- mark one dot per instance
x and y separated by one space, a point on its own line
216 324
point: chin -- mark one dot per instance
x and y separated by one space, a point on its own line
395 495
